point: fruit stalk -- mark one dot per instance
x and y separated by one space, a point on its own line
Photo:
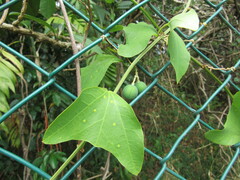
133 64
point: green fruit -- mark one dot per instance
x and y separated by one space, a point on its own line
130 92
141 86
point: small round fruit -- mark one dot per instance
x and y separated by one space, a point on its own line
130 92
141 86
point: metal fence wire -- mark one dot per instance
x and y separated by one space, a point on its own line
52 82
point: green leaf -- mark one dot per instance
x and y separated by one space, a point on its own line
101 13
187 20
56 99
230 135
13 60
61 156
53 161
47 8
7 76
116 28
105 120
179 55
94 73
37 162
4 107
10 66
109 1
137 38
5 83
32 18
55 23
4 127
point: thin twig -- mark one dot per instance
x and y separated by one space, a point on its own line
4 15
106 168
40 37
25 111
22 13
89 9
74 46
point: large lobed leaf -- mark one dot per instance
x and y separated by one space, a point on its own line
105 120
137 38
230 135
179 56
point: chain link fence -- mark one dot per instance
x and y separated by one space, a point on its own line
217 12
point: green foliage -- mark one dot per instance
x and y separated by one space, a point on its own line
179 56
93 74
48 161
56 23
137 38
109 1
12 132
9 66
90 118
105 120
130 92
110 78
47 8
230 135
187 20
33 7
35 19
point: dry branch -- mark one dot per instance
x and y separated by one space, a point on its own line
40 37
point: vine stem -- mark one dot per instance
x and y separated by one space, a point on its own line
192 58
133 64
74 153
146 14
187 6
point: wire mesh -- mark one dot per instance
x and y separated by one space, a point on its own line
163 161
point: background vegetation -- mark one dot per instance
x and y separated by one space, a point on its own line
163 120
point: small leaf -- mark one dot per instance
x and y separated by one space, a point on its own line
188 20
116 28
105 120
179 55
38 161
230 135
47 8
56 99
94 73
4 127
137 38
61 156
53 161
